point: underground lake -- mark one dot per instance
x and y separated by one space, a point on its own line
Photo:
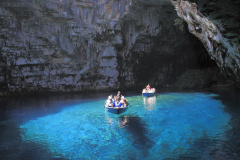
169 125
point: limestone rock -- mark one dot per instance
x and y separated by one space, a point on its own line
73 45
216 24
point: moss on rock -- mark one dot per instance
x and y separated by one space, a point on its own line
196 78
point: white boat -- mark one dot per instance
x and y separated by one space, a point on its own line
117 110
148 93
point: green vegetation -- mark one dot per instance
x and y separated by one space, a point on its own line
199 79
179 22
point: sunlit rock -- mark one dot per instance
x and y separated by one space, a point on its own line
216 25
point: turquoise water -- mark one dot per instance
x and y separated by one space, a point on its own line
167 126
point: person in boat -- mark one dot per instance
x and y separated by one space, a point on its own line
109 101
121 102
119 96
148 87
114 101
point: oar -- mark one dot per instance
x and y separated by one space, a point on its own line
128 103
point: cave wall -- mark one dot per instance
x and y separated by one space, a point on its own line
73 45
159 48
58 45
216 24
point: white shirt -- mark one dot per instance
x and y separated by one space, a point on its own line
122 101
108 102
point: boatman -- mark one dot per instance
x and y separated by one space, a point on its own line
119 96
148 87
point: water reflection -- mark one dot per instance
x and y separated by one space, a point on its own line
109 117
149 103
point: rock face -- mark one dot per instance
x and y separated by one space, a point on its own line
201 78
78 45
216 24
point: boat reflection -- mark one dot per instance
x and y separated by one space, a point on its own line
150 103
112 120
109 118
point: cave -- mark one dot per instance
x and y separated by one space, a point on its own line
75 46
61 59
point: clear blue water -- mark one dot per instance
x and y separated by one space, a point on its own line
170 125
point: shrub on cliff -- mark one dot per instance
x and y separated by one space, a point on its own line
199 78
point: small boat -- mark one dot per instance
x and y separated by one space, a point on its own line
117 110
148 93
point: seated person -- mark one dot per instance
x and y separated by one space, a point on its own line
114 100
109 101
122 101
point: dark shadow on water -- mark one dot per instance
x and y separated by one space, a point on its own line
138 131
210 148
230 149
13 148
205 148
